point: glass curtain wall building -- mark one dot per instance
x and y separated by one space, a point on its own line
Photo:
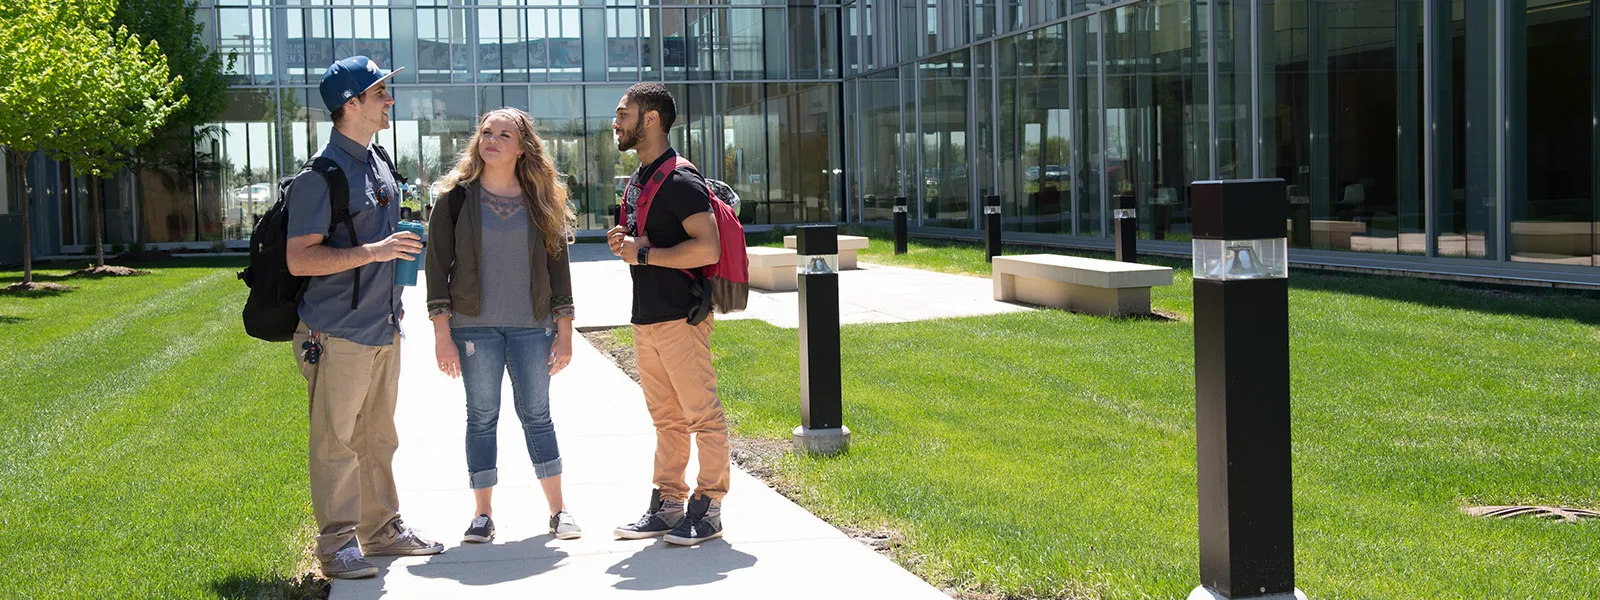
1460 131
758 85
1451 134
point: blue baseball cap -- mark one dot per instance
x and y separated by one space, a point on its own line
349 78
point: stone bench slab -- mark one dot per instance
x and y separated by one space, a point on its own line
1090 285
773 269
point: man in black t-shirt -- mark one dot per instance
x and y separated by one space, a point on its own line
674 357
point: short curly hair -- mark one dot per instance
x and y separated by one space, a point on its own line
654 96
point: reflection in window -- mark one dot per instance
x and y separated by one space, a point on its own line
248 32
944 180
744 148
1555 221
442 50
606 169
624 54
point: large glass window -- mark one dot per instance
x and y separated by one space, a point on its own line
945 183
1172 116
245 153
805 175
432 126
248 32
1554 221
882 180
1341 88
1087 170
606 168
443 53
1038 146
744 148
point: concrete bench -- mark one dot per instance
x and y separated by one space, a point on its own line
1101 287
848 246
1335 234
773 269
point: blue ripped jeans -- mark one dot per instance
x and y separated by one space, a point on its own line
486 354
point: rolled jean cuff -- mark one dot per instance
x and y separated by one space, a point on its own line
485 479
547 469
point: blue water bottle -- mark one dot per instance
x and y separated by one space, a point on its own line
405 271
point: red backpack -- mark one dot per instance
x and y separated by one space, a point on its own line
729 277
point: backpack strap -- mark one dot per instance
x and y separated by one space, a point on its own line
642 211
339 205
455 199
388 162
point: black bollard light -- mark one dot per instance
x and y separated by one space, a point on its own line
1241 350
902 212
991 227
821 429
1126 215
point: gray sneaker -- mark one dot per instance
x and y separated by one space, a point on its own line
348 563
406 542
564 527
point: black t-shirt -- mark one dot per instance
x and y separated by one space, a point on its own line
661 294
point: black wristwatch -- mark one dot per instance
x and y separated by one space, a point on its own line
644 255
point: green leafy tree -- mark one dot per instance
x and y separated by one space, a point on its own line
46 47
181 37
130 95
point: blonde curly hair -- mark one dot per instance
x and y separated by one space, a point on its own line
544 192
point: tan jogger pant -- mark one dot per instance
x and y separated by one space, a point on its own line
680 389
353 389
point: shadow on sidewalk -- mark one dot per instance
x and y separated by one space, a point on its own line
662 566
495 563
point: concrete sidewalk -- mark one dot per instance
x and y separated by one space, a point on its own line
773 548
871 294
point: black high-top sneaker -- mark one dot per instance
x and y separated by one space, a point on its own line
702 523
662 515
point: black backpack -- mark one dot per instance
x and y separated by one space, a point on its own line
272 311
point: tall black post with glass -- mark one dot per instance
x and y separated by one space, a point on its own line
1241 350
902 213
991 227
821 429
1126 216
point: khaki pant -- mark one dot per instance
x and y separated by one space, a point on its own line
680 389
353 388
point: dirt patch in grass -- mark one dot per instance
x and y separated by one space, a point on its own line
108 271
619 352
36 288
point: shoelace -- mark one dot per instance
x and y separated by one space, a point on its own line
348 555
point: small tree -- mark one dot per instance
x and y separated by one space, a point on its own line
129 96
44 45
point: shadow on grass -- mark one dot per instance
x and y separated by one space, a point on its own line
42 274
259 587
40 290
10 320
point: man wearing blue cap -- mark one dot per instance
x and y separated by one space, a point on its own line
348 342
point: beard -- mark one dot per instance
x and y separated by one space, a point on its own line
630 137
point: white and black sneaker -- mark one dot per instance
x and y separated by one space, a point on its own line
659 519
349 563
564 527
702 523
481 531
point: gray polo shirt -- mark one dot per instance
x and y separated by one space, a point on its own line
326 307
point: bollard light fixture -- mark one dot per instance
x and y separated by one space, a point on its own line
1242 392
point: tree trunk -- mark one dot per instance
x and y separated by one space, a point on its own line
27 232
97 218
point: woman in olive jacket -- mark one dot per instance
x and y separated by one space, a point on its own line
500 298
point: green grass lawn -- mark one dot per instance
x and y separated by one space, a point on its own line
148 447
1051 454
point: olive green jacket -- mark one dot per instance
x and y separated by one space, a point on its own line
455 251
